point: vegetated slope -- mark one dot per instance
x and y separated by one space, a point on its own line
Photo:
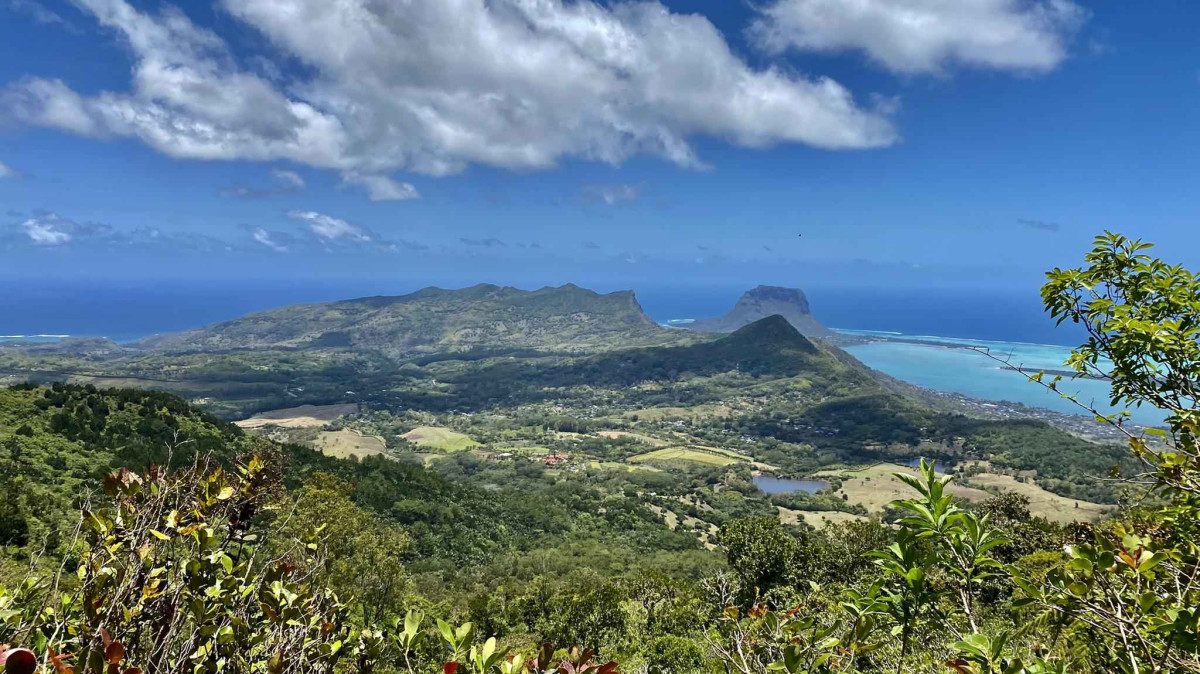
768 348
57 443
433 320
761 302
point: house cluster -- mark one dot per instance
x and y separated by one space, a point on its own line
554 460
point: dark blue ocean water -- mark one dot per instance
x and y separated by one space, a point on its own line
126 311
999 315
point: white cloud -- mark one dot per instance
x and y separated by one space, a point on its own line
38 12
330 228
612 195
50 229
433 86
289 179
264 237
46 231
382 188
924 36
8 171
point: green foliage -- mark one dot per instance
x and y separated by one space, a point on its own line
764 556
57 443
295 561
1130 590
170 574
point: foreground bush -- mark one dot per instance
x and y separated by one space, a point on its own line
174 575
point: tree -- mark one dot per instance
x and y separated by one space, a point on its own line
364 553
1133 590
763 554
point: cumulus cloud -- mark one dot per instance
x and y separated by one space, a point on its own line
926 36
320 233
50 229
612 195
287 182
433 86
381 187
329 228
268 239
44 233
288 179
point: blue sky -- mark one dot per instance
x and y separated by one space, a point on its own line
613 144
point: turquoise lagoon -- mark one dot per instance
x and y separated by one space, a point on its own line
963 370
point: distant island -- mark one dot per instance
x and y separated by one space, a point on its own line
759 303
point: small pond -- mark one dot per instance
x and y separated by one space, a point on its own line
779 485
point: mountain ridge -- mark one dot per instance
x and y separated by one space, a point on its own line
432 318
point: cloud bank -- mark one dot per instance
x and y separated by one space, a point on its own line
434 86
926 36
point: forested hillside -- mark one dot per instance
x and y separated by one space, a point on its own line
430 320
523 555
621 502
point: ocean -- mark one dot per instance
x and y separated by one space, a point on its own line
1005 321
124 312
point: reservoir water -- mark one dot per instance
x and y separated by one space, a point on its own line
780 485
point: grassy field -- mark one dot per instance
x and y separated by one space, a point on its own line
719 450
348 443
613 435
671 519
531 450
816 520
304 416
1041 502
676 454
616 465
441 439
875 487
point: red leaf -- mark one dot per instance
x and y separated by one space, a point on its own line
114 652
57 660
961 666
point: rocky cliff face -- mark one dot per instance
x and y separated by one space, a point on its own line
764 301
